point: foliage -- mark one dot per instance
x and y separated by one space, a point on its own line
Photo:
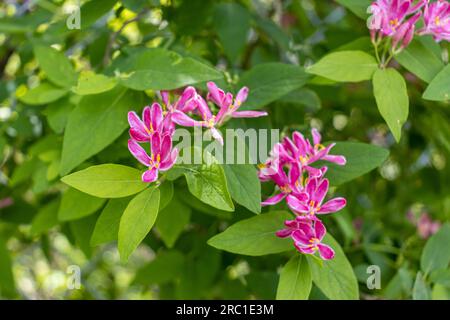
72 194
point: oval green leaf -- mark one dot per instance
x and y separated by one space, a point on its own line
254 236
345 66
335 278
295 279
107 181
137 220
391 96
439 88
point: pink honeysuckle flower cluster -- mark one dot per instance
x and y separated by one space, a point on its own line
397 19
158 123
436 16
290 167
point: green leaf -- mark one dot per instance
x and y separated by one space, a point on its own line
254 236
345 66
361 159
172 221
435 254
358 7
7 283
440 292
82 231
76 204
295 279
42 94
421 291
419 59
94 10
208 183
107 226
232 23
8 25
391 95
244 185
335 278
107 181
91 83
439 88
137 220
166 190
441 276
160 69
56 66
167 267
57 114
94 124
270 81
46 218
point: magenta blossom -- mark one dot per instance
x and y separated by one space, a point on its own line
272 164
152 121
388 15
162 157
437 20
307 236
176 113
228 108
287 184
405 33
302 152
309 203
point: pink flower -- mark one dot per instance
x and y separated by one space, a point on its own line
388 15
302 152
310 202
228 108
437 20
152 119
405 33
272 164
162 157
287 185
176 113
307 236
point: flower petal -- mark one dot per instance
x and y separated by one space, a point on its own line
216 135
156 144
305 250
296 205
138 152
325 251
166 147
319 230
150 175
138 135
273 200
316 136
301 238
248 114
156 117
333 205
184 120
284 233
241 96
168 163
321 191
340 160
135 122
